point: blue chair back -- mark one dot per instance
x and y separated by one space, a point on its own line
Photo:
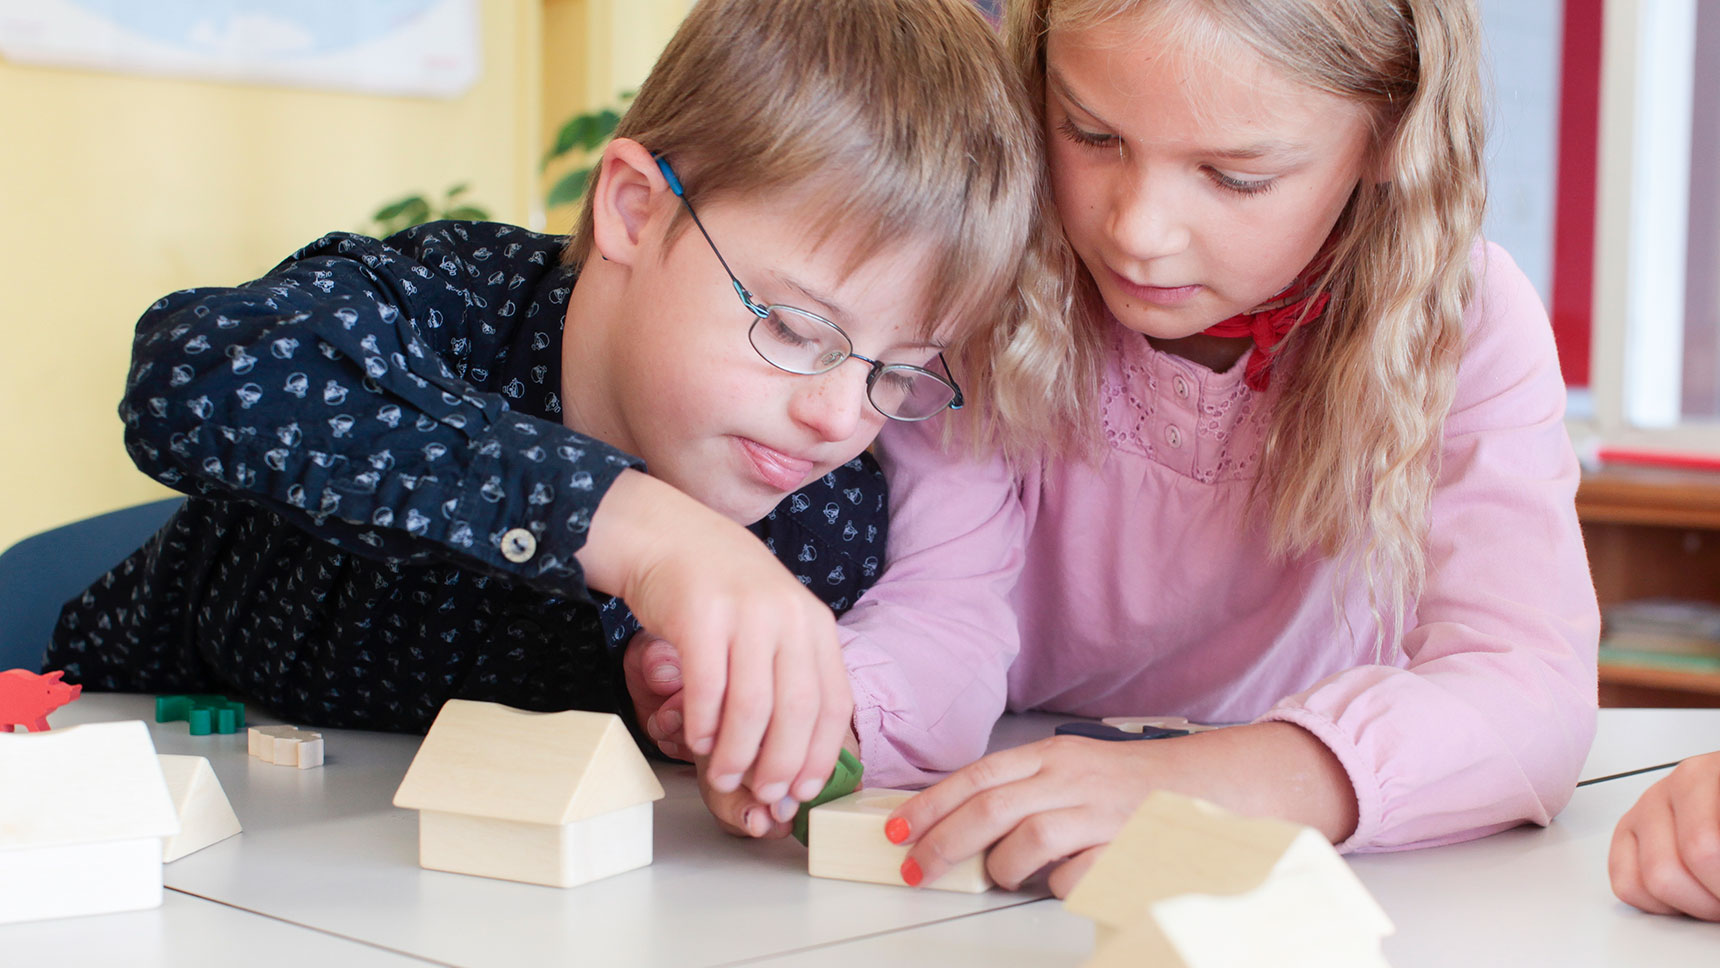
40 573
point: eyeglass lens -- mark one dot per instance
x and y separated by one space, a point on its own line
799 342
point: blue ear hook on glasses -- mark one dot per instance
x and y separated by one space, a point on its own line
753 305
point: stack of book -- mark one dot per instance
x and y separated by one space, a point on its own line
1670 633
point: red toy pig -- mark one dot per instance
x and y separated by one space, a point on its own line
26 698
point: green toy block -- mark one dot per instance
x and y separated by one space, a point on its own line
203 714
845 779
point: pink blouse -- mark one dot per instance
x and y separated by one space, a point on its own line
1130 586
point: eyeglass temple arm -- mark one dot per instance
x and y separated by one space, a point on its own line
747 298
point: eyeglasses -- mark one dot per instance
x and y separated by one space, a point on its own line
797 341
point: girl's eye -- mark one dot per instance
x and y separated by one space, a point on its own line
1089 138
1240 186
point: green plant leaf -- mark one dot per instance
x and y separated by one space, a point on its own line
456 191
471 213
571 188
601 127
395 209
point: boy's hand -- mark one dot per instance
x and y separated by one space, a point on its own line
758 652
1665 855
740 814
652 669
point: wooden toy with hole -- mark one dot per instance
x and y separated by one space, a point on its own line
545 798
1186 884
845 840
205 816
286 746
203 714
83 812
26 698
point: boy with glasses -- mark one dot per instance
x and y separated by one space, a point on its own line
418 467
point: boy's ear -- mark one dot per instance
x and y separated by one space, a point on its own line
629 189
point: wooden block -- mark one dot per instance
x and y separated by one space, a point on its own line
556 855
83 810
205 816
545 798
1187 885
286 746
1134 724
846 841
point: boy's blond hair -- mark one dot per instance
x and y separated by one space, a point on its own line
901 120
1352 451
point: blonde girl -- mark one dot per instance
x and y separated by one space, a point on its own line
1292 458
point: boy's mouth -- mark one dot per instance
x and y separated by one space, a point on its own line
779 471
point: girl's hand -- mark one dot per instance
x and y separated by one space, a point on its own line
766 694
1665 856
1059 800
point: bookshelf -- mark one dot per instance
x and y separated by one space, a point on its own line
1653 532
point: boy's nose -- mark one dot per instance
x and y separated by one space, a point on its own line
833 404
1145 219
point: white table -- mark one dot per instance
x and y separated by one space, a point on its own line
327 868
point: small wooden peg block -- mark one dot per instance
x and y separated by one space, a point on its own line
286 746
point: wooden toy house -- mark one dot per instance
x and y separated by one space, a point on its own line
546 798
1186 884
205 816
83 810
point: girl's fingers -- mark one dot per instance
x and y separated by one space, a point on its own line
1070 872
994 812
929 808
1042 838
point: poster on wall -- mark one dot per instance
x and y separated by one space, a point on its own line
427 48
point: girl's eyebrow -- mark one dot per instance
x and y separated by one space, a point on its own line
1269 148
1056 80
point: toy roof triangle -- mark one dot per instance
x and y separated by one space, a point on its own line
82 784
1179 845
489 760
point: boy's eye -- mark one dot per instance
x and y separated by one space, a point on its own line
784 333
1242 186
1081 136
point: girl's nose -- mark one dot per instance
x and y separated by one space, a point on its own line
1145 220
833 404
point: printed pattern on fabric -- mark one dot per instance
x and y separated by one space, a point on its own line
358 430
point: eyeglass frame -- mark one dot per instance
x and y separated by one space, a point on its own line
761 312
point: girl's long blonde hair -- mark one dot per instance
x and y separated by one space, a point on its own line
1352 451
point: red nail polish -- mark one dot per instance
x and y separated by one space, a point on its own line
896 830
911 875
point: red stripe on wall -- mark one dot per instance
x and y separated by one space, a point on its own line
1575 187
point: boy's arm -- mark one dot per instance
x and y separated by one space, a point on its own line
324 392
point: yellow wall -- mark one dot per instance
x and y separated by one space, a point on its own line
117 189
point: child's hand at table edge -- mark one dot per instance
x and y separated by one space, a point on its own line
1665 854
651 668
1060 800
766 693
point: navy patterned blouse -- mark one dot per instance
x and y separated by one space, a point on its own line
384 504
